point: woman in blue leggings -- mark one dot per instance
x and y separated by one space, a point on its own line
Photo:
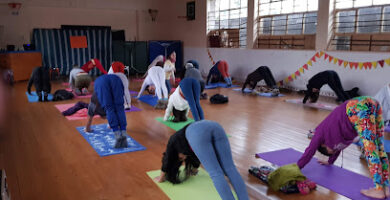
109 91
203 142
190 89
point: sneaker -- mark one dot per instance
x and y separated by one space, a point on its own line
77 91
84 91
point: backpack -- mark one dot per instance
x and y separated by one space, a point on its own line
61 95
219 99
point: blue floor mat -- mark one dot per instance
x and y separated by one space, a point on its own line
217 85
102 140
263 94
386 144
34 97
149 99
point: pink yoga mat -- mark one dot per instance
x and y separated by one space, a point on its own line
325 106
334 178
79 115
83 113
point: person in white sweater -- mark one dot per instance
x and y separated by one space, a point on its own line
156 77
177 102
118 69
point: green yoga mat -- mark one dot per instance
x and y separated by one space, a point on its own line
177 125
194 188
174 125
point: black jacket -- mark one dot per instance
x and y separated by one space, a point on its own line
40 77
254 77
178 144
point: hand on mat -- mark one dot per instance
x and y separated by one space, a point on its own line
127 107
88 130
375 193
323 162
159 179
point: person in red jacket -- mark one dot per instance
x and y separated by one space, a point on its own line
92 64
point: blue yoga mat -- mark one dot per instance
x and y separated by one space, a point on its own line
263 94
102 140
334 178
34 97
149 99
217 85
386 144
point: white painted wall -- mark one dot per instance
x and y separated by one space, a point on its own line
285 62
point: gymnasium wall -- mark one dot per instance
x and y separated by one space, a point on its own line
130 15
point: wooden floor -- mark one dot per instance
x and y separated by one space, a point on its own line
46 158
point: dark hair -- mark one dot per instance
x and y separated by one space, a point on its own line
160 64
171 162
323 150
314 97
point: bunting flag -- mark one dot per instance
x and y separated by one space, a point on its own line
340 62
345 64
374 64
388 61
211 57
330 58
381 62
335 60
301 70
360 65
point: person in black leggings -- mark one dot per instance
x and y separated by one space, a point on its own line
329 77
259 74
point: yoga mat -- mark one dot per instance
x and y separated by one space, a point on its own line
83 113
194 188
319 105
217 85
334 178
133 93
211 86
174 125
263 94
102 140
88 96
149 99
386 144
34 97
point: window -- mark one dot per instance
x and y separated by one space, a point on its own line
362 25
226 23
285 20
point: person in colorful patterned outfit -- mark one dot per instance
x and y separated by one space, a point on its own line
356 119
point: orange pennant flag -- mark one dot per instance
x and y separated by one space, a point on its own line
309 63
374 64
351 65
335 60
369 65
290 78
345 64
321 54
317 55
305 66
330 58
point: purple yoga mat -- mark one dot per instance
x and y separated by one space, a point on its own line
334 178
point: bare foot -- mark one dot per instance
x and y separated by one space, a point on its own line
374 193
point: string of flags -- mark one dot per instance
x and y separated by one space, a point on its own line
211 57
331 59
